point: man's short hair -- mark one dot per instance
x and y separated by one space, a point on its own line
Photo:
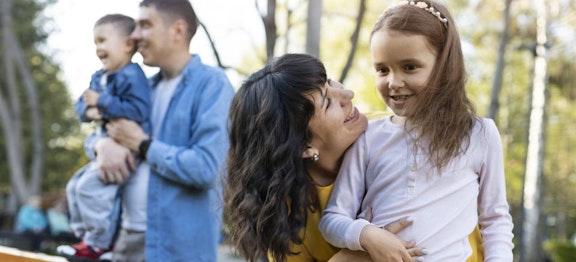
172 10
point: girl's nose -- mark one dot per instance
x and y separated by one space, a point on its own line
395 82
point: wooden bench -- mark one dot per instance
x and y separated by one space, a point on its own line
10 254
15 247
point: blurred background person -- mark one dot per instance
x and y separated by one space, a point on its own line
31 222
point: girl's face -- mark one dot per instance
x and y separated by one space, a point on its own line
112 47
336 123
403 65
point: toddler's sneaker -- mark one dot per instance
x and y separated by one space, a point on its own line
80 252
106 256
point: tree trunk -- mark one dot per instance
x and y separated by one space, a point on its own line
288 29
497 84
313 27
10 115
35 121
530 249
354 41
269 21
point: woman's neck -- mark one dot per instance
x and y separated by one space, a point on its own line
324 172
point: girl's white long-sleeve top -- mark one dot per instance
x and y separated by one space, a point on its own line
384 171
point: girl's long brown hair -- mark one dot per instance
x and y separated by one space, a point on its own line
442 114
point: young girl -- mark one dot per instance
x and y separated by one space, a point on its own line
434 160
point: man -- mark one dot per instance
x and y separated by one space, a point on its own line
185 153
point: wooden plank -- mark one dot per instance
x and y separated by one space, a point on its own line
10 254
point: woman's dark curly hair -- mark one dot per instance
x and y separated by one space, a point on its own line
268 189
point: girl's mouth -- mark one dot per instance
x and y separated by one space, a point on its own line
400 98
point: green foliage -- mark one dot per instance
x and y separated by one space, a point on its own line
338 26
481 26
61 134
560 250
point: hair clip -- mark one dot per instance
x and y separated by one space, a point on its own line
430 9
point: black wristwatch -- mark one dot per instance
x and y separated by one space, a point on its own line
143 147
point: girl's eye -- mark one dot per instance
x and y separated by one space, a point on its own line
409 67
383 70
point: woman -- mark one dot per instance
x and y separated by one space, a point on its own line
289 128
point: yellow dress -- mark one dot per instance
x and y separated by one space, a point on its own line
316 249
475 239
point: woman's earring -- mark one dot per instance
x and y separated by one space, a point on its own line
315 158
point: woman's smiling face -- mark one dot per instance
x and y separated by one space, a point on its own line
336 123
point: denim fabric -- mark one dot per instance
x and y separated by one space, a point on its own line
93 206
186 161
126 95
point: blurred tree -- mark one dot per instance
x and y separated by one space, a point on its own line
11 114
530 248
269 20
313 24
40 133
497 84
478 22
